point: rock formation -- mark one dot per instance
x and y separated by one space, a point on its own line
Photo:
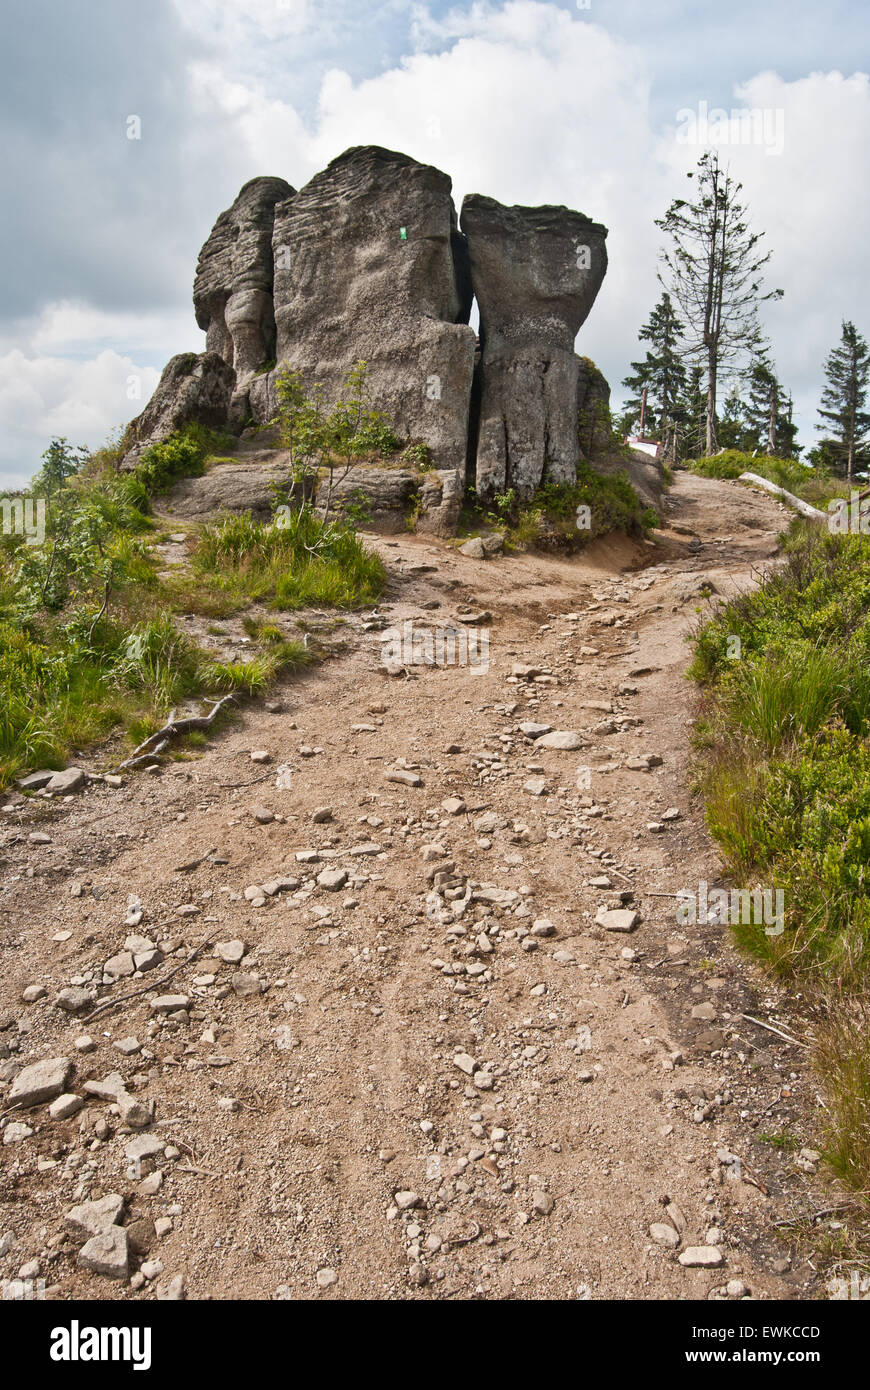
233 289
366 262
536 272
193 387
369 265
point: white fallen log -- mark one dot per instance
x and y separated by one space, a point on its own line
799 505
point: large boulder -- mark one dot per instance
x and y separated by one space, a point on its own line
369 265
593 407
232 291
536 272
246 485
193 388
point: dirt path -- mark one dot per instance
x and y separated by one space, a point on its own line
538 1101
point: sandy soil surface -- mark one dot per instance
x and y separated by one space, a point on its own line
383 1043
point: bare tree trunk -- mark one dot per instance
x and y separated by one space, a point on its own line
711 401
771 422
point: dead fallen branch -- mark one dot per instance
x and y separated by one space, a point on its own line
156 742
799 505
770 1028
151 986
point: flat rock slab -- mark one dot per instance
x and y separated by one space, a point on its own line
617 919
41 1082
71 780
35 781
701 1257
107 1254
92 1218
566 739
403 777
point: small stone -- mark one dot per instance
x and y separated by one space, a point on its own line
262 815
735 1288
65 1106
326 1278
245 985
38 837
35 781
332 879
617 919
664 1234
119 966
600 881
261 755
41 1082
465 1063
92 1218
535 786
148 960
705 1011
701 1257
406 1200
169 1003
111 1087
85 1043
533 731
321 814
63 783
141 1235
230 951
672 813
453 805
15 1132
473 549
543 927
137 1114
564 739
542 1203
34 992
107 1254
403 777
74 999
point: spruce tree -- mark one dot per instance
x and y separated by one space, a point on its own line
714 268
661 373
844 398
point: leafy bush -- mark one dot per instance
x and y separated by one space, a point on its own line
180 455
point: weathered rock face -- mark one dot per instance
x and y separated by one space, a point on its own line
369 264
536 272
593 403
232 292
193 388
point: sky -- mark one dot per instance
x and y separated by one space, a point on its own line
125 128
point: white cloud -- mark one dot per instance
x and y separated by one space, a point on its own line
41 397
528 102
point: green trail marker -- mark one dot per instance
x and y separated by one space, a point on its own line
403 233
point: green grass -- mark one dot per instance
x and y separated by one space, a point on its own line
305 563
813 485
783 737
550 520
90 644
